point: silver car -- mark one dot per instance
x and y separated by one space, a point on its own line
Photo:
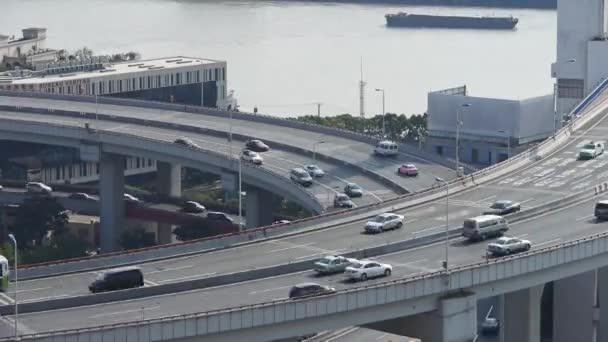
314 171
362 270
507 245
383 222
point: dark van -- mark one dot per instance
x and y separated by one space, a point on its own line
309 290
601 210
118 279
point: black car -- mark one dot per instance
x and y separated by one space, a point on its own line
309 290
257 146
218 216
81 196
193 207
118 279
503 208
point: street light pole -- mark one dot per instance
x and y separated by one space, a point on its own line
556 94
230 135
458 124
383 114
12 237
447 220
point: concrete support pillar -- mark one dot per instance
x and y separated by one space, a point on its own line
454 321
573 308
259 208
521 315
111 190
169 179
602 304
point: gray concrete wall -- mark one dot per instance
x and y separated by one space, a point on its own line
573 299
112 203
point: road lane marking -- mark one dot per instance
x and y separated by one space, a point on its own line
547 242
521 236
6 299
124 312
149 282
42 298
334 252
340 334
291 247
429 229
528 200
584 217
381 336
273 289
187 277
485 199
169 269
37 289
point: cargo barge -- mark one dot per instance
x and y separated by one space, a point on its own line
402 19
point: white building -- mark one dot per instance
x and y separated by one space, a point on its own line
29 49
489 130
582 50
186 80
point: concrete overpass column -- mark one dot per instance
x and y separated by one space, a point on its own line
573 308
602 304
521 315
169 179
258 203
111 190
454 321
168 183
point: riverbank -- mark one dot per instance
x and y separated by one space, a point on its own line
532 4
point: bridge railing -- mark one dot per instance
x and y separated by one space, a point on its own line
580 114
459 277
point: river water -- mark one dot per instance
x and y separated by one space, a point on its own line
286 57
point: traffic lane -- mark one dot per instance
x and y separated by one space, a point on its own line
562 170
279 165
357 334
317 191
555 228
296 137
419 221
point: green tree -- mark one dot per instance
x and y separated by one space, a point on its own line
61 247
36 216
137 238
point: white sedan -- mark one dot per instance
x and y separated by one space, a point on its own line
507 245
384 222
252 157
314 171
362 270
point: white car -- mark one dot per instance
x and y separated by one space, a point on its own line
252 157
383 222
362 270
314 171
507 245
38 188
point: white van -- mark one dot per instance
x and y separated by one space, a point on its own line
483 227
386 148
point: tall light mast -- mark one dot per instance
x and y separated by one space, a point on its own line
362 84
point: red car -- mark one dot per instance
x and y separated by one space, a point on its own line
408 170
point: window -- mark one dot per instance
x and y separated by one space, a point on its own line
171 79
198 76
110 86
119 86
137 162
133 84
97 168
188 77
149 82
570 88
177 78
216 74
149 162
93 90
223 74
158 81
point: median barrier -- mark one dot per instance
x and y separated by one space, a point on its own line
282 269
534 154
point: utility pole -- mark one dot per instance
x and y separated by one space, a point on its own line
319 109
362 84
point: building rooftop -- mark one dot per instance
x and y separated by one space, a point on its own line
119 68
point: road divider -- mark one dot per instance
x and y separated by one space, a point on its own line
231 278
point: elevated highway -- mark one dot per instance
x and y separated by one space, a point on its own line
556 174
